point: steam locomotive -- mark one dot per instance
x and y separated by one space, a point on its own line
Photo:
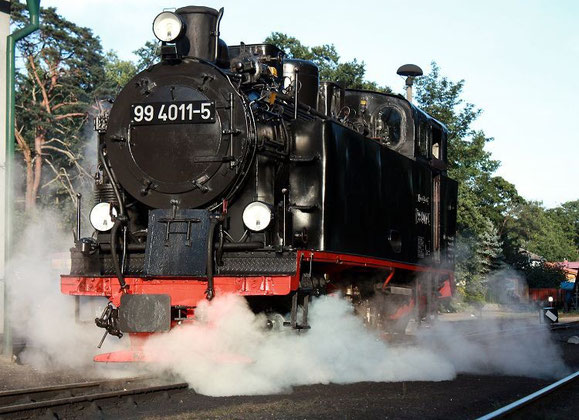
235 170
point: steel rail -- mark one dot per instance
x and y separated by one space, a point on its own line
564 325
66 387
88 398
517 405
46 389
519 330
514 332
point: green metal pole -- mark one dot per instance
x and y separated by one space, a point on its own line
33 9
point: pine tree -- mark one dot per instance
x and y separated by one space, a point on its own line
489 250
62 70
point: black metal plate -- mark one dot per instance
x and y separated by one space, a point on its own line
145 313
177 112
183 252
258 263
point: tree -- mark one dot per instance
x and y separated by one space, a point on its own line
118 72
478 257
484 200
62 69
148 55
489 249
482 196
544 232
349 74
469 279
567 215
543 275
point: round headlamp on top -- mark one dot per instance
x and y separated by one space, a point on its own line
168 26
257 216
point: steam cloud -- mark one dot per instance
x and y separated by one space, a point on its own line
41 316
227 352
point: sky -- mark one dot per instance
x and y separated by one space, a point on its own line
517 58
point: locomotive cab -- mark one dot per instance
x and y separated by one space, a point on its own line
397 124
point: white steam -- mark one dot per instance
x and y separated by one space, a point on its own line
228 352
41 316
507 347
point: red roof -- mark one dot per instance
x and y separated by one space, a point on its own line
574 265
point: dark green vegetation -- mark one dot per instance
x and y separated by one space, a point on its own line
61 72
64 73
349 73
497 228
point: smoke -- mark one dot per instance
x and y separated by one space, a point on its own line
228 352
41 316
509 287
507 347
513 345
89 162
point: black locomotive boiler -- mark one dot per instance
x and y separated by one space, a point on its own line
235 170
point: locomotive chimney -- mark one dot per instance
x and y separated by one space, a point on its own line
201 39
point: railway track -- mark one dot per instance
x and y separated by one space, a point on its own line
565 325
483 335
520 330
516 407
23 403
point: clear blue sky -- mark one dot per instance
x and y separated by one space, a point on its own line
518 58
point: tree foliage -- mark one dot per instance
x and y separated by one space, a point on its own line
493 220
567 216
543 275
482 195
349 74
148 55
489 206
548 233
61 70
118 72
489 249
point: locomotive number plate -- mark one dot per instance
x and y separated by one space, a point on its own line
182 112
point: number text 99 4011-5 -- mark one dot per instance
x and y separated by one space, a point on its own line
183 112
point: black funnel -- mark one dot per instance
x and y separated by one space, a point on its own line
201 39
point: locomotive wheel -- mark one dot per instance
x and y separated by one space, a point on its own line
382 312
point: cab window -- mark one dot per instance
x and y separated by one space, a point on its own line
424 139
389 126
436 143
